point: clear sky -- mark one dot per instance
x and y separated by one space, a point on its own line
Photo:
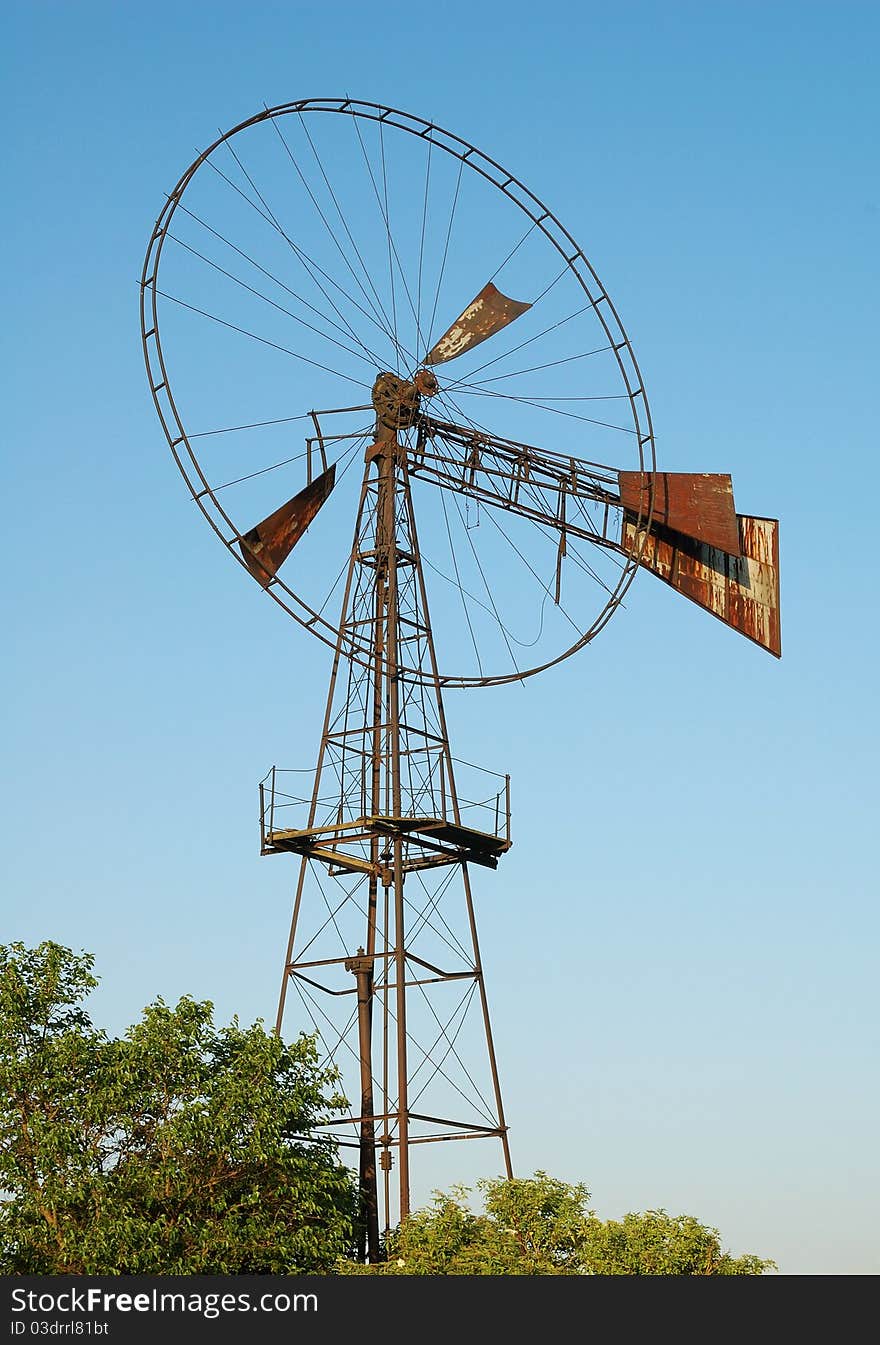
681 947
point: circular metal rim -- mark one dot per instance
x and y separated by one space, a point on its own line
542 218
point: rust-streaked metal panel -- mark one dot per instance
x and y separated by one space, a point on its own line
699 504
742 591
269 544
486 315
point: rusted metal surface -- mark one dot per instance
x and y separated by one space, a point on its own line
269 544
741 590
699 504
396 402
483 317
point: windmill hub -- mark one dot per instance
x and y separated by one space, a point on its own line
426 382
397 401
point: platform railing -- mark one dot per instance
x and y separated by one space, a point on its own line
482 795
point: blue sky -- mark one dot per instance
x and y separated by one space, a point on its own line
681 947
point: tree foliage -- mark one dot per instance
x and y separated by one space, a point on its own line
179 1148
542 1226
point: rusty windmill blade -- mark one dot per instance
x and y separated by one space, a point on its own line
484 316
727 563
266 547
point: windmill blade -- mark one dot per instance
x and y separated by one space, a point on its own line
266 547
741 589
483 317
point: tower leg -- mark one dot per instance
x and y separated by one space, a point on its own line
368 1232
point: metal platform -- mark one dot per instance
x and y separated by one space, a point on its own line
439 841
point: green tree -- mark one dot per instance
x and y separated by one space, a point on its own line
657 1243
179 1148
542 1226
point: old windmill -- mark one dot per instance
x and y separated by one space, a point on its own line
311 258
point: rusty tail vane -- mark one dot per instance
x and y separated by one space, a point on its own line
699 504
741 588
682 526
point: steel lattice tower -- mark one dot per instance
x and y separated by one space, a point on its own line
383 924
